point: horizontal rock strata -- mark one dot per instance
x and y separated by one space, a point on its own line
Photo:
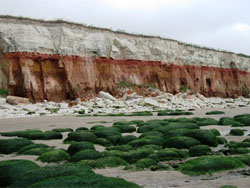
58 61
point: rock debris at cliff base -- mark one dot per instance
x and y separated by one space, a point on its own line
105 103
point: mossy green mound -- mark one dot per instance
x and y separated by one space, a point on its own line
176 132
146 141
115 153
104 162
78 146
152 133
125 123
186 120
209 165
32 146
103 142
215 112
145 163
239 150
243 118
54 156
230 121
245 159
135 155
13 170
208 121
69 176
86 155
199 150
125 128
173 113
204 136
81 136
8 146
151 147
215 132
236 132
169 154
148 127
61 130
82 129
138 123
106 132
125 147
36 151
181 142
126 139
144 113
234 144
35 134
176 125
228 186
114 139
222 140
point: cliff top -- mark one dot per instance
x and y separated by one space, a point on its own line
26 20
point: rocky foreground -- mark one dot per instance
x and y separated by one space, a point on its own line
104 103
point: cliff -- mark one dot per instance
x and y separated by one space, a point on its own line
56 60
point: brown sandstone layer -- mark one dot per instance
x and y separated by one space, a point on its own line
57 78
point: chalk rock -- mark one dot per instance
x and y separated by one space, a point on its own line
105 95
2 101
151 102
64 105
17 100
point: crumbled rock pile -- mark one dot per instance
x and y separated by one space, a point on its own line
129 102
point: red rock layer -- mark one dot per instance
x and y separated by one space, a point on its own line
57 78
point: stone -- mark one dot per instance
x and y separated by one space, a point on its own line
151 102
2 101
17 100
78 100
105 95
63 105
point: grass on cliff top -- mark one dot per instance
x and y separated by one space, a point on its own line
209 165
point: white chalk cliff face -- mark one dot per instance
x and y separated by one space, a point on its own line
101 46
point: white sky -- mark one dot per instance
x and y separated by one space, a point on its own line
223 24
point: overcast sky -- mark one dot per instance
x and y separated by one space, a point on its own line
223 24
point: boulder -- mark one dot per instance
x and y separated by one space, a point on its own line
17 100
105 95
151 102
2 101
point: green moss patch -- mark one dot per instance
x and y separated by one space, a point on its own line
204 136
146 141
104 162
8 146
86 155
209 165
243 118
13 170
215 132
152 133
125 147
54 156
70 176
82 129
61 130
36 151
245 159
32 146
125 128
78 146
135 155
35 134
215 112
199 150
106 132
181 142
103 142
173 113
236 132
126 139
169 154
208 121
80 136
230 121
145 163
115 153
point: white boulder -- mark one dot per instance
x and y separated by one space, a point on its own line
105 95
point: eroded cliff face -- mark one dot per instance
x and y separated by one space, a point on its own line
59 61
